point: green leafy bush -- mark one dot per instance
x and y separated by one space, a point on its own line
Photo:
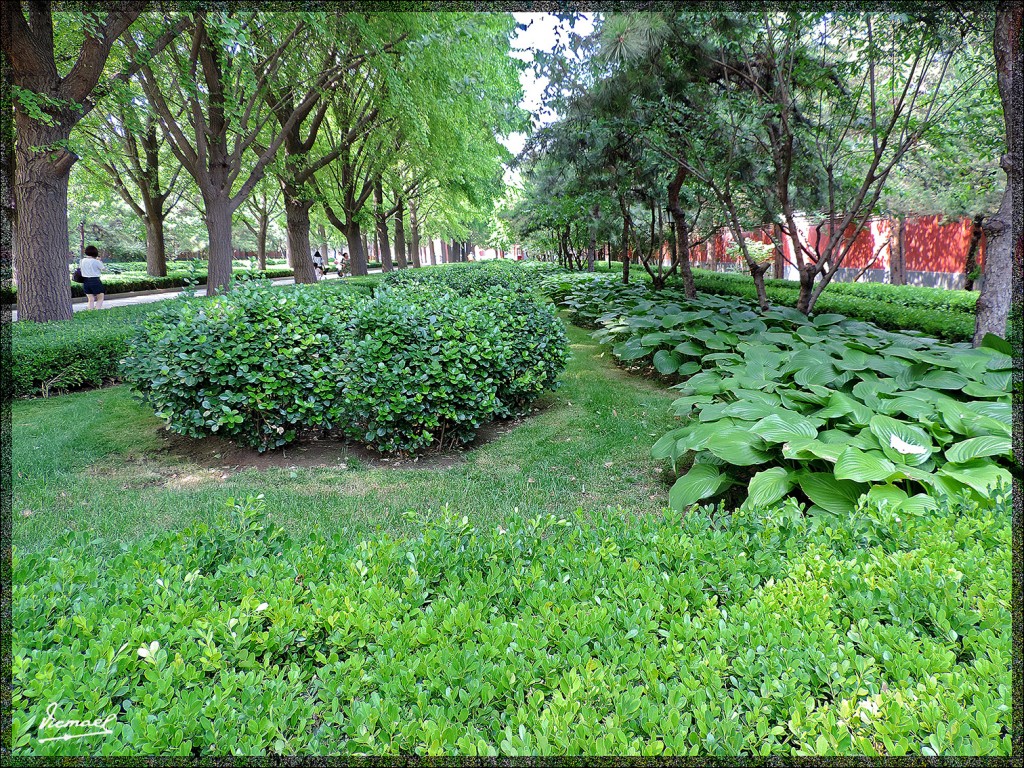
255 364
761 632
427 366
409 368
419 369
466 279
826 408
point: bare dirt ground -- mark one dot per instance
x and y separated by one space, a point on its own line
220 454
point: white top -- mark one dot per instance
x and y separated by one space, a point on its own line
91 267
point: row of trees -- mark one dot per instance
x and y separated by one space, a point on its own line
387 122
676 124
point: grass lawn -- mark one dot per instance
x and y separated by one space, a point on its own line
98 461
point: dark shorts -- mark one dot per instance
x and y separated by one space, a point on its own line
92 285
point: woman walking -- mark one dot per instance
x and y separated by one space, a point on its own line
91 267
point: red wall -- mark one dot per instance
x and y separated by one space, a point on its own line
929 245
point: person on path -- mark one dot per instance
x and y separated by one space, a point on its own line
318 265
92 266
344 264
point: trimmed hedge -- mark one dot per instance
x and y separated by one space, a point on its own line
81 352
255 364
131 282
764 632
944 313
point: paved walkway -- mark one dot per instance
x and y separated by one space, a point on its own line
147 297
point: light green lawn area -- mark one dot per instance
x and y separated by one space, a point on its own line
96 461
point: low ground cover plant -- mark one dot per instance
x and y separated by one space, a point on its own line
416 365
943 313
826 408
760 632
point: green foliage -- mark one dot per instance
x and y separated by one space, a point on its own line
255 364
843 407
84 351
939 312
759 632
417 365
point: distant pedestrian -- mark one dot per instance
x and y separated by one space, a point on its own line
92 266
344 264
318 264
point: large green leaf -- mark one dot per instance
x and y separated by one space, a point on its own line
705 383
837 496
630 350
942 380
702 481
841 404
978 447
991 341
689 348
769 486
784 426
807 449
901 442
863 466
666 362
749 410
654 339
737 446
821 374
980 474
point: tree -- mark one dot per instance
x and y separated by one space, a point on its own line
1006 247
210 101
127 153
264 205
48 103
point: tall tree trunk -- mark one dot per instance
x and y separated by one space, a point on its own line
993 306
1004 246
971 262
414 225
455 252
682 253
400 250
218 227
261 243
433 255
779 264
625 251
41 250
898 254
156 255
357 244
296 216
382 226
807 274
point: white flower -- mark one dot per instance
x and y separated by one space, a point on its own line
905 448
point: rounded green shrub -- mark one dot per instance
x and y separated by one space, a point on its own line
420 369
536 348
415 366
256 364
